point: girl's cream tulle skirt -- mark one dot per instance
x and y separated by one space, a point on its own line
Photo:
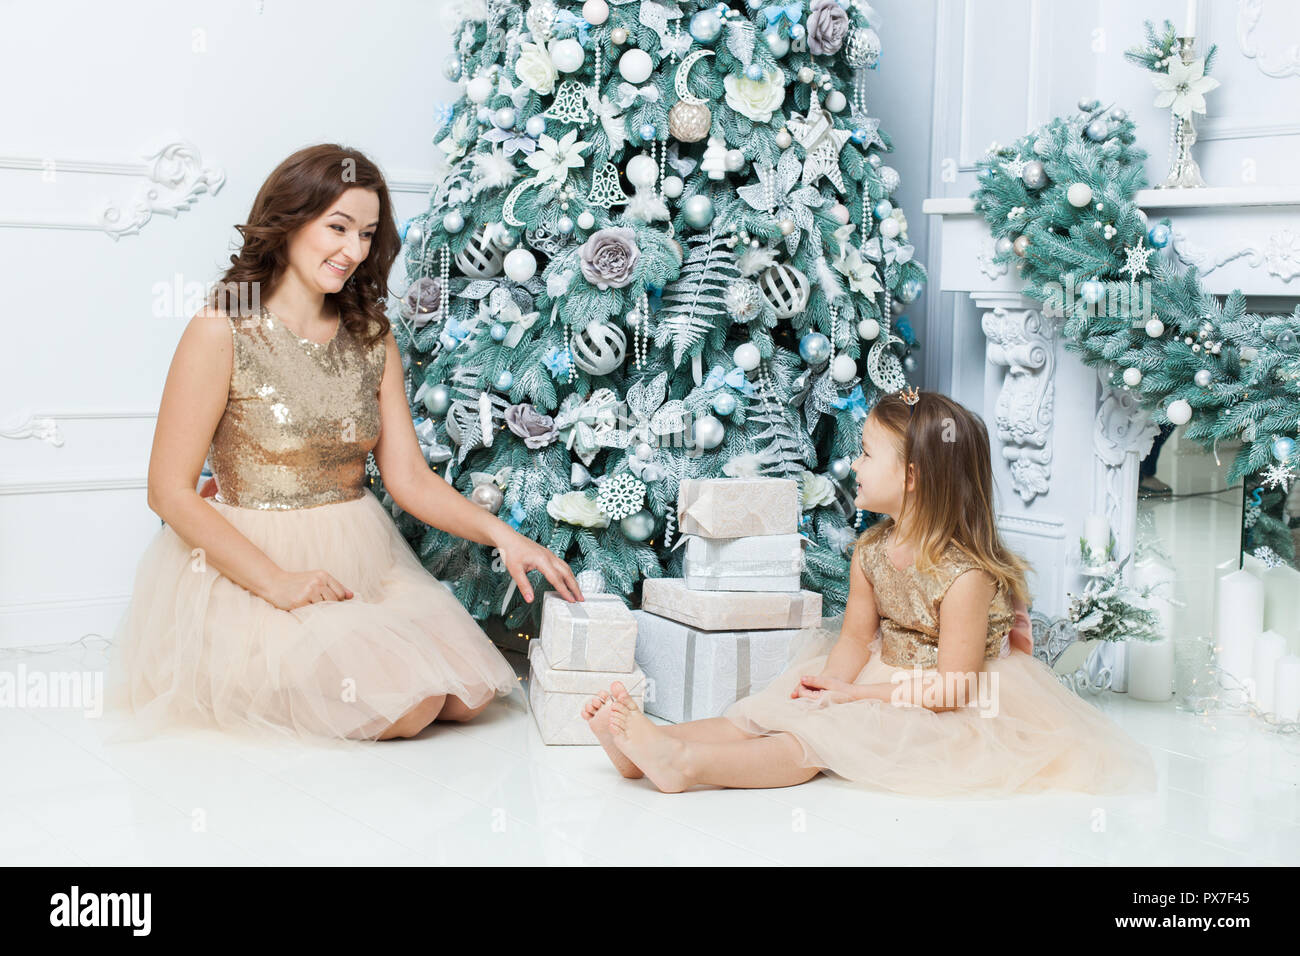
196 649
1037 736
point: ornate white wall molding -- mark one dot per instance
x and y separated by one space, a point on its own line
1022 341
1121 437
1280 255
987 262
175 176
1281 64
27 424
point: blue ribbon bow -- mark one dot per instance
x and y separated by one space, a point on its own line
567 18
557 360
855 402
517 515
790 12
455 332
735 378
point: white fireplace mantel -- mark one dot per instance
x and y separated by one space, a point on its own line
1064 443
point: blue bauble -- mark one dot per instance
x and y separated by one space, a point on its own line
815 348
535 126
565 225
504 380
706 25
648 131
883 209
1158 236
638 526
754 72
451 68
1092 291
909 290
1283 447
724 403
498 332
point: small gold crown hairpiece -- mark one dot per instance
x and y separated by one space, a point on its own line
910 395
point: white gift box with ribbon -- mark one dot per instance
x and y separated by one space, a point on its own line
737 507
692 674
730 610
556 696
771 562
598 634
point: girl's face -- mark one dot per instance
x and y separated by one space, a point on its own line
879 472
340 238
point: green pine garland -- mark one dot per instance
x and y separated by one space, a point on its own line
1161 330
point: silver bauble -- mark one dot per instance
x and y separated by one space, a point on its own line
698 211
1034 176
1097 130
862 48
487 496
438 399
639 526
839 469
579 476
743 300
889 178
709 432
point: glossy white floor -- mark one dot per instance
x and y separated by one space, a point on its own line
490 792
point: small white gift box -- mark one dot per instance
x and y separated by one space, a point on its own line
556 697
598 634
737 507
770 562
730 610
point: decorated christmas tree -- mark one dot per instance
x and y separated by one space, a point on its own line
663 247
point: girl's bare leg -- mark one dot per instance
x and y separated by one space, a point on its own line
673 764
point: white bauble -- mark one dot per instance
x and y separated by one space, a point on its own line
868 329
642 170
635 65
785 288
672 186
836 102
1155 328
1132 377
889 228
479 89
586 220
1079 194
844 369
1179 411
599 348
567 55
595 12
709 432
734 160
840 213
747 356
521 265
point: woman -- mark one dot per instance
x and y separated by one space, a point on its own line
290 602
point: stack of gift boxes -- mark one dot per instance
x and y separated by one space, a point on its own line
582 648
724 629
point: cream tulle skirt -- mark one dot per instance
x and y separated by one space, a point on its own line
194 648
1037 734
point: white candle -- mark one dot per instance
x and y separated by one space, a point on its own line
1282 603
1190 19
1270 647
1151 669
1096 534
1286 688
1239 619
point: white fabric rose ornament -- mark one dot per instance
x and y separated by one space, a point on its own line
756 99
608 258
576 508
535 69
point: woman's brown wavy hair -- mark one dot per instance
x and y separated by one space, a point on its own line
953 496
301 189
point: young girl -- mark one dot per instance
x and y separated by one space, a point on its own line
921 692
289 602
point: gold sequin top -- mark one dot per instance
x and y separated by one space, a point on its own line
908 602
300 419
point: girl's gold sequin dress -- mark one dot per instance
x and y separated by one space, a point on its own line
1021 731
289 458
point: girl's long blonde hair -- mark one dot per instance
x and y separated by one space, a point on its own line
953 497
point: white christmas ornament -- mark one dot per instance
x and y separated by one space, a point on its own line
1155 328
1132 377
747 356
844 369
672 186
479 89
786 290
635 65
480 259
642 170
836 102
714 161
1179 411
889 228
595 12
567 55
868 329
599 348
520 265
1079 194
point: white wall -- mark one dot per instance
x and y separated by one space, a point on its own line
90 90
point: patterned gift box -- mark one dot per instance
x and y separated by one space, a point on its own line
598 634
730 610
692 674
770 562
556 697
737 507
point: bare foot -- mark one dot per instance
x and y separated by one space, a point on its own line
648 747
596 713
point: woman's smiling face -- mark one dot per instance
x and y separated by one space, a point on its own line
879 471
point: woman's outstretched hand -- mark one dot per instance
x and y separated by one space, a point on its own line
521 554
